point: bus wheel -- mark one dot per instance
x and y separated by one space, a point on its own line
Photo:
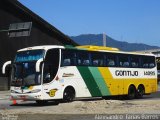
140 91
69 94
41 102
131 92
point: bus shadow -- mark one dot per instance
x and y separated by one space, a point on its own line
147 97
34 104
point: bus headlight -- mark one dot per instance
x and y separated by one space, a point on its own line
36 90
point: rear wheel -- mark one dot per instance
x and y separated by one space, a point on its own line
131 92
140 91
68 95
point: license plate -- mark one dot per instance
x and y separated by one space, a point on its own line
23 97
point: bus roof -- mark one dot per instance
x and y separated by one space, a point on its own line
89 47
85 47
109 49
45 47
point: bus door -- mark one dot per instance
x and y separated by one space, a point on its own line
51 65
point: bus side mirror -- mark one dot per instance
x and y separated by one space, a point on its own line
5 66
38 64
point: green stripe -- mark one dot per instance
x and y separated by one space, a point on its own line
99 80
90 81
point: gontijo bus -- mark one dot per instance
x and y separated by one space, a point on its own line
45 73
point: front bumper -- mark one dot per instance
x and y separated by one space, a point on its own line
33 96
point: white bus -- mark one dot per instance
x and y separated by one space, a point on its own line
44 73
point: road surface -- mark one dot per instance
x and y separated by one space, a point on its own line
89 109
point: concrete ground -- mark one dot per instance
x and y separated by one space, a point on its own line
4 95
99 109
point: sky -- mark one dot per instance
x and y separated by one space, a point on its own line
133 21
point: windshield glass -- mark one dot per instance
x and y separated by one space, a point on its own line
24 74
24 68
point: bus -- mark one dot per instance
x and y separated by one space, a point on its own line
44 73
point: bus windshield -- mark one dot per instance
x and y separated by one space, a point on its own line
24 74
23 70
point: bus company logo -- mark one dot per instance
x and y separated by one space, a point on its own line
126 73
52 92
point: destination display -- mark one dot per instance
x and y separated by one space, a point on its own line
29 55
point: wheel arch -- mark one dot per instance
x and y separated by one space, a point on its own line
132 85
69 87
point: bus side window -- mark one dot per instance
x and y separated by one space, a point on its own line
123 60
97 59
134 61
66 62
83 58
145 65
148 61
152 62
151 65
79 62
85 62
110 60
68 58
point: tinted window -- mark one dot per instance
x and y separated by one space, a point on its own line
135 63
83 58
148 62
68 58
97 59
51 65
110 60
123 60
158 63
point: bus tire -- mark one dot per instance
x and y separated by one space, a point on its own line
131 92
41 102
140 91
69 94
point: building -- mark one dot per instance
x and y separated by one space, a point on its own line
20 28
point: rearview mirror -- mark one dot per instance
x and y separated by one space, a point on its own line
38 64
5 66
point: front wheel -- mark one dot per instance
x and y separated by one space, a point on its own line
68 95
131 92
